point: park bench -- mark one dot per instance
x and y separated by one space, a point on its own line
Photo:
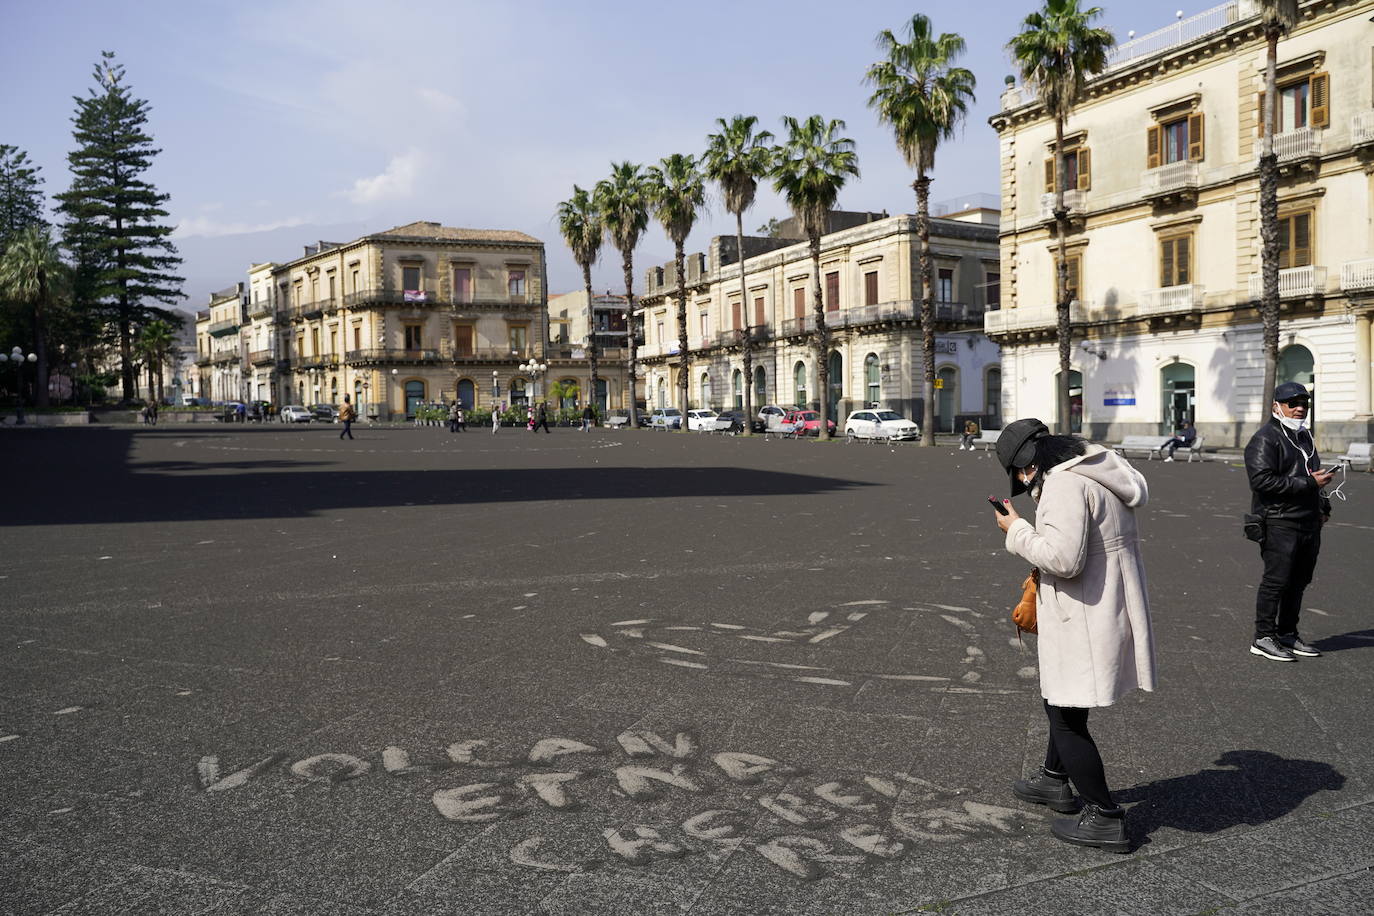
987 438
1150 445
1356 453
617 422
1196 450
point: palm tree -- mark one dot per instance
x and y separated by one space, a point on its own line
1057 50
33 274
1279 16
923 97
155 343
809 171
736 158
579 221
623 203
677 192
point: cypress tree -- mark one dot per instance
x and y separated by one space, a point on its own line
123 255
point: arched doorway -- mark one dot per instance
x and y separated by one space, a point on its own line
799 383
662 392
334 390
571 392
1296 365
992 398
873 383
704 390
1177 386
1075 399
737 389
946 398
467 393
415 396
601 393
836 367
358 395
760 386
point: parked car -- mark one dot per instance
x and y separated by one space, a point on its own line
665 418
805 423
325 413
770 417
295 413
702 420
879 424
730 421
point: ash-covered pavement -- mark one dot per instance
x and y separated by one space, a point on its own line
263 671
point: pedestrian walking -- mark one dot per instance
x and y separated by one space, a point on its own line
1185 436
495 418
970 433
1094 638
541 418
529 418
1287 511
347 414
588 415
462 419
454 412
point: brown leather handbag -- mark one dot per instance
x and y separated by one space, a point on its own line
1023 615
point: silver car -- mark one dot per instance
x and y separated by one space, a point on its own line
295 413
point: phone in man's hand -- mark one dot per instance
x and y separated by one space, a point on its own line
997 504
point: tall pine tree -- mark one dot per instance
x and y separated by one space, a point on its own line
21 200
122 252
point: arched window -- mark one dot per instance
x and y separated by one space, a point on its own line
992 397
334 390
415 396
1296 365
301 394
872 380
1177 384
799 383
705 390
760 386
662 392
358 394
737 388
467 393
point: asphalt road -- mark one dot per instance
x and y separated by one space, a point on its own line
263 671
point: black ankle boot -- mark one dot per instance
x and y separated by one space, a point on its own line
1094 827
1046 788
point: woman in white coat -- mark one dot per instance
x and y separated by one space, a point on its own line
1093 616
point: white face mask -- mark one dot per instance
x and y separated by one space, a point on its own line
1292 423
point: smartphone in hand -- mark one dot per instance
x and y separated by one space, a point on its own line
997 504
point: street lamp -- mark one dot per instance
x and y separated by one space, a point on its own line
534 369
403 400
17 357
495 386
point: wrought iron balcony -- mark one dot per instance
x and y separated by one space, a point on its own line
1168 180
1074 202
1357 276
793 327
202 361
1362 129
222 328
1171 300
261 357
485 354
1294 283
397 355
224 356
261 309
318 361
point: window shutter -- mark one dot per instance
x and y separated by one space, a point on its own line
1302 240
1182 256
1261 114
1319 95
1084 169
1152 147
1195 140
1166 263
1049 175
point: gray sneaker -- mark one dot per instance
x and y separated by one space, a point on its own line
1295 645
1268 647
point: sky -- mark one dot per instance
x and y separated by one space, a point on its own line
284 123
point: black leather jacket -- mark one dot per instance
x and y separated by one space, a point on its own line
1281 485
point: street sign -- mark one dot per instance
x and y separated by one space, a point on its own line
939 383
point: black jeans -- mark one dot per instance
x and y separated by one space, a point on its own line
1073 753
347 430
1290 558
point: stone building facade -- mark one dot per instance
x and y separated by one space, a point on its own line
872 302
219 345
1164 249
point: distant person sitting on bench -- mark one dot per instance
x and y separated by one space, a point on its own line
1185 437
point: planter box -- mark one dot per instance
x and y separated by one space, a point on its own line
73 418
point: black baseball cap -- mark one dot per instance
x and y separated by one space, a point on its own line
1290 390
1016 448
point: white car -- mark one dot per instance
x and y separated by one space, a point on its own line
665 418
295 413
879 424
770 415
701 420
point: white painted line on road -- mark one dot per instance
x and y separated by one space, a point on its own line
836 682
684 663
857 603
631 623
669 647
595 640
68 710
4 738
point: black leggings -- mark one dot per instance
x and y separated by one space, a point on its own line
1073 752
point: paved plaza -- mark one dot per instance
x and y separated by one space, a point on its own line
258 670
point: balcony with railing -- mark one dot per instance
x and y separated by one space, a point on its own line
260 309
222 328
396 355
732 338
261 357
1358 276
202 360
792 327
1170 300
224 356
1074 202
318 361
1294 283
1293 146
1362 129
1030 318
1168 180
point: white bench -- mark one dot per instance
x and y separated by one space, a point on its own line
1196 449
1356 453
1150 445
987 438
617 422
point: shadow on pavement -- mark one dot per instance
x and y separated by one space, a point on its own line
1359 639
1254 787
91 480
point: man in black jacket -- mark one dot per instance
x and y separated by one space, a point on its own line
1286 481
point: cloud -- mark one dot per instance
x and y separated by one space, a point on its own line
440 101
397 181
206 227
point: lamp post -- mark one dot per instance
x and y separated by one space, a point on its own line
403 400
495 389
17 357
534 369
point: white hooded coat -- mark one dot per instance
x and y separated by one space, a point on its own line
1093 616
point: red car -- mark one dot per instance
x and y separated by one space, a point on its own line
805 423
